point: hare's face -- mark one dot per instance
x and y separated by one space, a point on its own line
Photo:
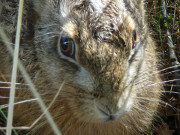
96 51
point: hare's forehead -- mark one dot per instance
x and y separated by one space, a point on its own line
103 17
108 19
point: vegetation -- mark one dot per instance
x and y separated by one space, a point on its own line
169 123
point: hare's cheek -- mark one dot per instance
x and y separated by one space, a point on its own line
84 80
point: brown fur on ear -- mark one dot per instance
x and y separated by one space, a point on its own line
43 9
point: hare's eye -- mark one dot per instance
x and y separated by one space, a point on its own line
67 46
134 38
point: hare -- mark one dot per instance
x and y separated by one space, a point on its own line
99 51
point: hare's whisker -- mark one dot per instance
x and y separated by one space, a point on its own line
17 103
49 33
158 101
47 38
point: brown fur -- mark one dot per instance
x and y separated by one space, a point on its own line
103 49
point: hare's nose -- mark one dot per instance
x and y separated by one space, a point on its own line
106 112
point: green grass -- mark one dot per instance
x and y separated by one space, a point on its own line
5 117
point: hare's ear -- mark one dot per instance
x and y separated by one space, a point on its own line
129 2
39 5
62 7
45 8
42 7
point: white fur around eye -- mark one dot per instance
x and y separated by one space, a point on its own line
121 5
97 4
64 10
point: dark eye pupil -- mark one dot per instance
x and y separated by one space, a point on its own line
134 38
134 35
67 46
64 42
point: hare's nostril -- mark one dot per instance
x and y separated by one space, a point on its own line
104 109
112 117
96 95
106 114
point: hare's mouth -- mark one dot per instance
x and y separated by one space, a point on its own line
105 114
103 110
113 112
